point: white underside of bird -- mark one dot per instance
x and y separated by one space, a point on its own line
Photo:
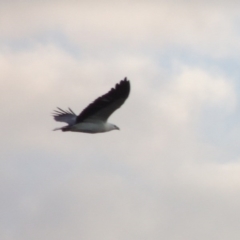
91 127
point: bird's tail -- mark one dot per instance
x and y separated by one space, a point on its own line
64 129
55 129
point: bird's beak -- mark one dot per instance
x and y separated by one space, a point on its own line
117 128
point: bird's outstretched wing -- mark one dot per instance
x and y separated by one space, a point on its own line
68 116
104 106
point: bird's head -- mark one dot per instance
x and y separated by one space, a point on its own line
110 127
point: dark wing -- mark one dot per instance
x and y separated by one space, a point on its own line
68 116
104 106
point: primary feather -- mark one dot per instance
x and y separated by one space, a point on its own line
68 116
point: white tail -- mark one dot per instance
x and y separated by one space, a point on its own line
55 129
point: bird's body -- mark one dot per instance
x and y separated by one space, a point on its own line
89 127
93 119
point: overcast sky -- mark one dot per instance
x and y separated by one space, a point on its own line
172 172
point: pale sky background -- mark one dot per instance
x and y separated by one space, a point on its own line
172 172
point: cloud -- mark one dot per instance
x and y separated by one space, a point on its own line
202 28
194 89
163 175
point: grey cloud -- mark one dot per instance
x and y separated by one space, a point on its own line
156 178
202 27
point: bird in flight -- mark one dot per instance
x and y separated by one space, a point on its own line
93 119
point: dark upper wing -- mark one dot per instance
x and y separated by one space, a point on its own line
65 116
105 105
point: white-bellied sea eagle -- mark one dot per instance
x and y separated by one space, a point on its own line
93 119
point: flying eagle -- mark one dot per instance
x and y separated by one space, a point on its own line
93 119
